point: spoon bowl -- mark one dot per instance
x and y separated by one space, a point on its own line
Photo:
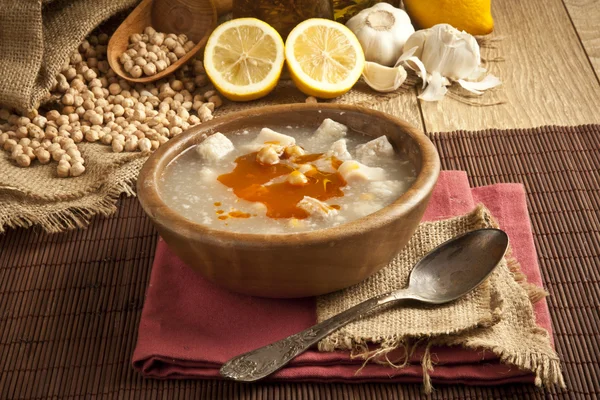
446 273
456 267
195 18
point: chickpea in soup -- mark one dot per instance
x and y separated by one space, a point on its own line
285 181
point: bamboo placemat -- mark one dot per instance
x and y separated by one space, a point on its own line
70 303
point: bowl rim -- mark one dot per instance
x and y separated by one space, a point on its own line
166 218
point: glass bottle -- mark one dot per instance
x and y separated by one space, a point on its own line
283 15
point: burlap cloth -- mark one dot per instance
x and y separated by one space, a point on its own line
498 316
37 196
36 37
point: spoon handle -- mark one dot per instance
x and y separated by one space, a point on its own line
261 362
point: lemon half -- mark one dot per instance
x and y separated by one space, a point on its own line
324 58
243 58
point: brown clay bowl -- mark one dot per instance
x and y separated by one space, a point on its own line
295 264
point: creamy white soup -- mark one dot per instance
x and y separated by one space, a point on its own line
285 180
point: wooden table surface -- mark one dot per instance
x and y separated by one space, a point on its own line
547 54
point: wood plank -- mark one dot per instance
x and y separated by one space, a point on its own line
585 15
402 104
547 78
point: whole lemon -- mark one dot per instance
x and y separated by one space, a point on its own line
471 16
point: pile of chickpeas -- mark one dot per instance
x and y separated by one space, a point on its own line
151 52
94 105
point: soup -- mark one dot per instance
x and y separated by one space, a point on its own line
290 180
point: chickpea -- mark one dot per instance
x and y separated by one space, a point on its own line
179 51
91 136
63 168
268 155
9 144
42 155
205 113
144 145
23 160
189 45
123 58
201 80
135 38
117 146
128 65
297 178
131 144
170 43
170 58
141 61
76 169
176 85
150 69
157 39
216 100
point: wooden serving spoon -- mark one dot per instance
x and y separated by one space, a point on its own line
195 18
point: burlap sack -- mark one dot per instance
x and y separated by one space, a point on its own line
36 37
506 327
37 196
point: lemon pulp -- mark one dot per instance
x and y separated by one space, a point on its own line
243 58
324 58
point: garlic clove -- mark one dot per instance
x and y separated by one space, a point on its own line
490 81
413 62
383 79
416 42
406 55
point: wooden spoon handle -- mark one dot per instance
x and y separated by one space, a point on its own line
223 6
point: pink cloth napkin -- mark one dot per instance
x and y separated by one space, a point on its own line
189 327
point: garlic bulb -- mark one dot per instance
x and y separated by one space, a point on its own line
446 55
383 79
381 31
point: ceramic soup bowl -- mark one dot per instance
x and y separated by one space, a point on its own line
304 263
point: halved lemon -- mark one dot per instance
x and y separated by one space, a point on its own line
324 57
243 58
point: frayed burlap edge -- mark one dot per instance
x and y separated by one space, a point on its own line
76 212
545 365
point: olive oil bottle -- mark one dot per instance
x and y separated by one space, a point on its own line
283 15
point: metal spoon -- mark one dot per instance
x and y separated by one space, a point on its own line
448 272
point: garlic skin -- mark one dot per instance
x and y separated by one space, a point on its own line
383 79
446 54
382 31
